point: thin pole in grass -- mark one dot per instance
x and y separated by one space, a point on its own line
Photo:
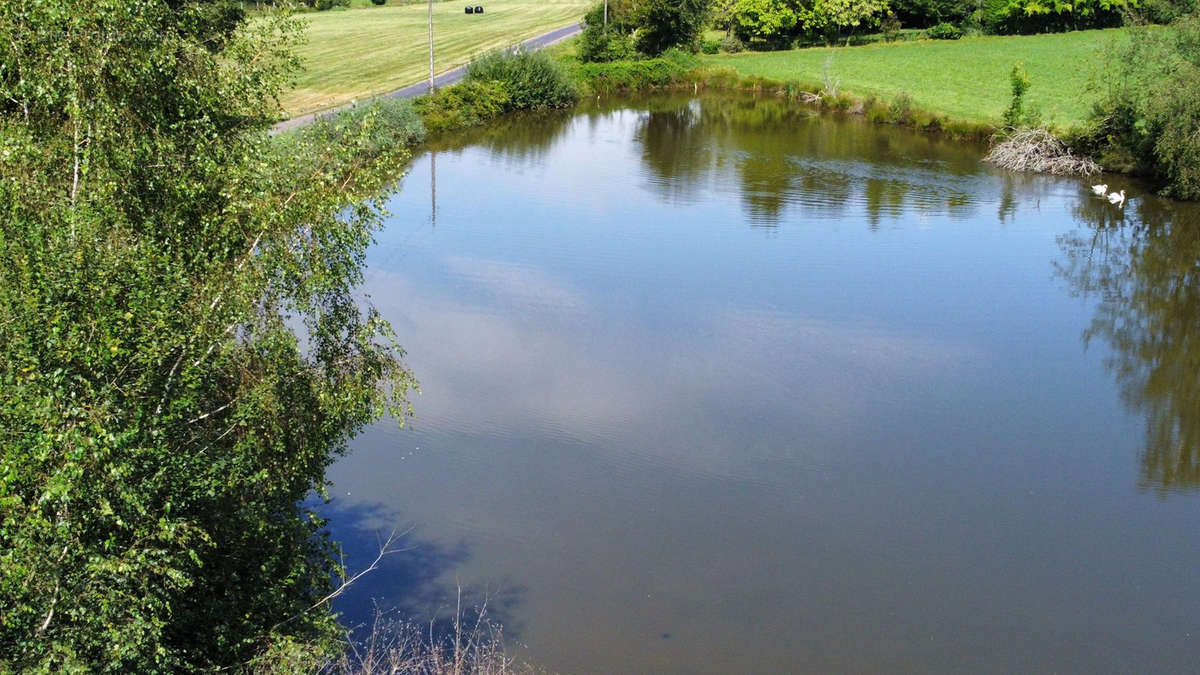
431 46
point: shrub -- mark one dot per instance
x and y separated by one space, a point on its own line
1139 128
927 13
601 44
631 75
597 45
1017 114
533 80
890 27
1166 11
710 46
899 111
1037 16
769 24
466 104
732 45
944 31
663 24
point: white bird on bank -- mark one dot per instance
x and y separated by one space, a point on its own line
1100 189
1117 198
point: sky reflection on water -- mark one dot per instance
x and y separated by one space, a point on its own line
797 393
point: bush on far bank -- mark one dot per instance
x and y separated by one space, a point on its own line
1140 128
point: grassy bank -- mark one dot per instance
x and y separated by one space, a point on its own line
354 53
965 80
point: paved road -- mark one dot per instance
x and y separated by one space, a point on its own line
446 78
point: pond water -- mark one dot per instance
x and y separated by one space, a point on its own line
717 385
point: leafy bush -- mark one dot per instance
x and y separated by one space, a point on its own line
533 80
601 44
1016 115
667 69
889 26
710 46
1138 126
832 19
182 349
944 31
1166 11
765 23
925 13
1041 16
466 104
900 110
663 24
732 45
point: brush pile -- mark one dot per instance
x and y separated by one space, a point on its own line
1040 151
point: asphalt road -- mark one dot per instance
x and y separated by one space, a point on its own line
446 78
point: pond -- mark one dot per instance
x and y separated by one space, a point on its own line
717 385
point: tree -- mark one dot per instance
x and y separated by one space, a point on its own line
831 17
1141 271
181 349
610 40
663 24
771 21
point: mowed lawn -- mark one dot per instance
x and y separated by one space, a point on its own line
967 79
354 53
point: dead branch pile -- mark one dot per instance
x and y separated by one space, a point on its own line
1040 151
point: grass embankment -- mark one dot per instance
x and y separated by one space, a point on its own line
965 80
358 52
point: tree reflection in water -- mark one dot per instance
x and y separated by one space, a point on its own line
1143 265
788 162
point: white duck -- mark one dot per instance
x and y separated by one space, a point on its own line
1117 198
1100 189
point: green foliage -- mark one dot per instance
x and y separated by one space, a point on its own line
900 110
466 104
1017 115
614 42
774 24
1166 11
667 69
730 44
710 46
889 26
663 24
1138 126
162 418
1040 16
944 31
533 80
771 23
927 13
831 18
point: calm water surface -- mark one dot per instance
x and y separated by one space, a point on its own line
717 386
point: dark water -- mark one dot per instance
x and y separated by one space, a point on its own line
717 386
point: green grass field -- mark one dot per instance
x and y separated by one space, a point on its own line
965 79
354 53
